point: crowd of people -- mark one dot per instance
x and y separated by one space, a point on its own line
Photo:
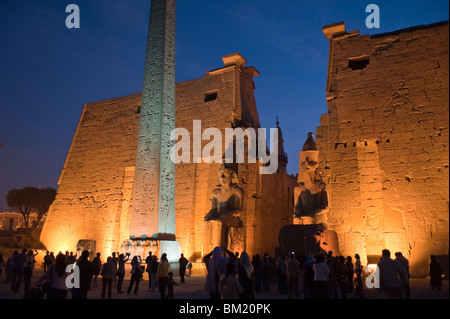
322 276
53 282
229 275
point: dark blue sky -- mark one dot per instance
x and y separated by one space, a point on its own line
48 72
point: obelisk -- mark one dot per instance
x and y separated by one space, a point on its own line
153 210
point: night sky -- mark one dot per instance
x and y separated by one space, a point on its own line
48 72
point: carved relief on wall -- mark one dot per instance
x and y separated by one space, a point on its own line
401 98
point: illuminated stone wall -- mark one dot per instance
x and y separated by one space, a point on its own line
384 143
96 185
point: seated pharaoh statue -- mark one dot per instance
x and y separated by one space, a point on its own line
226 208
310 196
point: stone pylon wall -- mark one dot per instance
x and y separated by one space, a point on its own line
96 185
384 143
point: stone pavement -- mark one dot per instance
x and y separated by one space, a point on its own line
193 289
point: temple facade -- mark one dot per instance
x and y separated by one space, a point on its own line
382 152
94 200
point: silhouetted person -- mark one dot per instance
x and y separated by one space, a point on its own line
281 271
46 260
96 266
321 272
308 277
148 262
153 271
358 271
136 274
163 275
19 263
435 274
121 271
293 273
258 269
115 259
405 264
56 276
350 273
27 275
246 277
31 257
213 261
229 285
108 273
266 272
341 276
170 284
392 276
71 259
86 274
183 263
333 284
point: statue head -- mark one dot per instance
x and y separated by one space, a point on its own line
310 162
227 176
320 185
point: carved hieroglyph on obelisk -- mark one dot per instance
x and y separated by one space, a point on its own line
153 210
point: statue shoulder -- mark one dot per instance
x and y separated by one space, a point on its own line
238 190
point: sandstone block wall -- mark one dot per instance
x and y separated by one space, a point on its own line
96 185
384 143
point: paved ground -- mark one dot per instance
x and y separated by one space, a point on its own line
193 289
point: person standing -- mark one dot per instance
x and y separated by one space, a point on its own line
321 272
148 262
392 276
108 273
435 274
170 284
121 271
293 272
183 264
9 267
332 281
27 275
31 257
246 277
358 271
350 273
46 260
266 272
19 262
162 275
71 259
213 275
153 271
96 266
341 276
258 269
56 276
115 259
86 274
405 264
136 274
308 277
281 271
229 285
